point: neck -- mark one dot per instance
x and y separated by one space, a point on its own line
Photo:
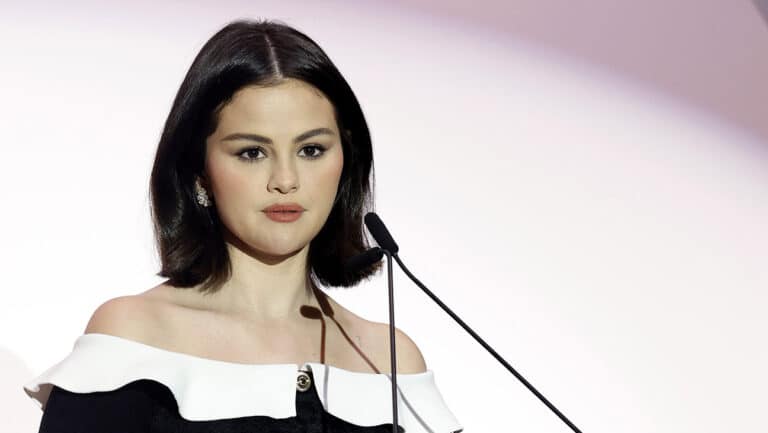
265 289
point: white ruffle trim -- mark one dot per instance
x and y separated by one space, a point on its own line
208 389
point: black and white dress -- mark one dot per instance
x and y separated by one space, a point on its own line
110 384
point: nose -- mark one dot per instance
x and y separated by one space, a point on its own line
284 177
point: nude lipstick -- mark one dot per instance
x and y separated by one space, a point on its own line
284 212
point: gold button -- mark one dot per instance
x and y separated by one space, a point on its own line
303 381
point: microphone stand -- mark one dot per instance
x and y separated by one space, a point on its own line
392 356
364 260
388 246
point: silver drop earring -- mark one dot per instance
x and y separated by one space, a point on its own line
202 195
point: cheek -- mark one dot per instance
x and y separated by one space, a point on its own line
229 181
331 173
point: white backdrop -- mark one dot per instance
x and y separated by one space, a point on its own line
607 240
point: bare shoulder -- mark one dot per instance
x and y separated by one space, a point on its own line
409 357
374 336
129 316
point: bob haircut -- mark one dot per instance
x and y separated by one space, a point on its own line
188 236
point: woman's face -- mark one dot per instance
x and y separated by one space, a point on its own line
277 144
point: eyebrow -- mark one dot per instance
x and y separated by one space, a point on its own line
265 140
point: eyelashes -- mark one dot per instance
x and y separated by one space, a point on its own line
248 154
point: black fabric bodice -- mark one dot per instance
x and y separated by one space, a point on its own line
147 406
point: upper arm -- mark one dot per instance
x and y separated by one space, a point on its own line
124 316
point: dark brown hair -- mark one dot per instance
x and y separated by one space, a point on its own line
253 52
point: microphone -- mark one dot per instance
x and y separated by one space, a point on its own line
380 233
388 246
364 259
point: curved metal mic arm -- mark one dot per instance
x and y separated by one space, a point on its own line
389 247
483 343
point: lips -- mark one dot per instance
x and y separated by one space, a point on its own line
284 212
284 207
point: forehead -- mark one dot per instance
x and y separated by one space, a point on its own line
286 108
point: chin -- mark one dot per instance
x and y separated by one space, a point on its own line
279 249
277 242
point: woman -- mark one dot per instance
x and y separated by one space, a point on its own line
258 189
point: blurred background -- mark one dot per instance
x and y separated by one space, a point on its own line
585 183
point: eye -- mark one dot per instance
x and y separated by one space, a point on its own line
250 152
317 153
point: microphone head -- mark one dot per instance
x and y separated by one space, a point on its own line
363 260
380 233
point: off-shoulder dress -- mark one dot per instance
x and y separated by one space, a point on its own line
110 384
